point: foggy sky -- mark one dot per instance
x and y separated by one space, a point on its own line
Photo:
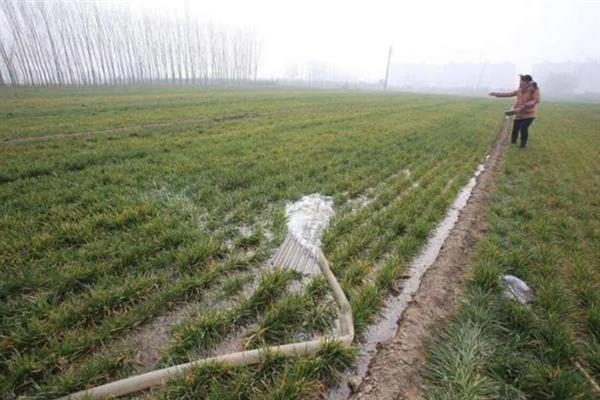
354 36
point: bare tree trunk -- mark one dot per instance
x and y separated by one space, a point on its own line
100 50
10 69
7 59
172 57
67 49
42 63
26 68
57 65
179 52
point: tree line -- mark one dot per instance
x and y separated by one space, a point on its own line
75 43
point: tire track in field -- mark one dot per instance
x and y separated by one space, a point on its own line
131 128
395 371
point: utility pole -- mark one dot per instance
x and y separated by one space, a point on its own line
387 70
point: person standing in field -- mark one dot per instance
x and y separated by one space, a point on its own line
525 108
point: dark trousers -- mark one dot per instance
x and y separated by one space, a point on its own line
521 125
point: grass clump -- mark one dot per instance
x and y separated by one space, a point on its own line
274 378
297 314
208 330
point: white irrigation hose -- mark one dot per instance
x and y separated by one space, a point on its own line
162 376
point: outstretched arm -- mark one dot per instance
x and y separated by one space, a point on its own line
504 94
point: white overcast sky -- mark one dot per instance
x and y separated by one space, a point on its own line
354 35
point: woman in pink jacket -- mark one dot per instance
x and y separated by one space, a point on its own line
525 108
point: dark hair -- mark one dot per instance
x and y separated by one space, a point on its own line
527 78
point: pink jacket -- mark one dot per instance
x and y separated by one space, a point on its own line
527 101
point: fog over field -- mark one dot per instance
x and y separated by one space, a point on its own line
435 45
459 44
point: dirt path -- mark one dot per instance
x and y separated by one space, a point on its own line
395 372
128 129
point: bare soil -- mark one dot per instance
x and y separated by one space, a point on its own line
395 371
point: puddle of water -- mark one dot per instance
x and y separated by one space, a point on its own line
246 230
370 194
308 218
231 344
387 326
361 201
180 201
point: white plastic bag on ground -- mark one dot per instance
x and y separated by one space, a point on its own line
517 289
